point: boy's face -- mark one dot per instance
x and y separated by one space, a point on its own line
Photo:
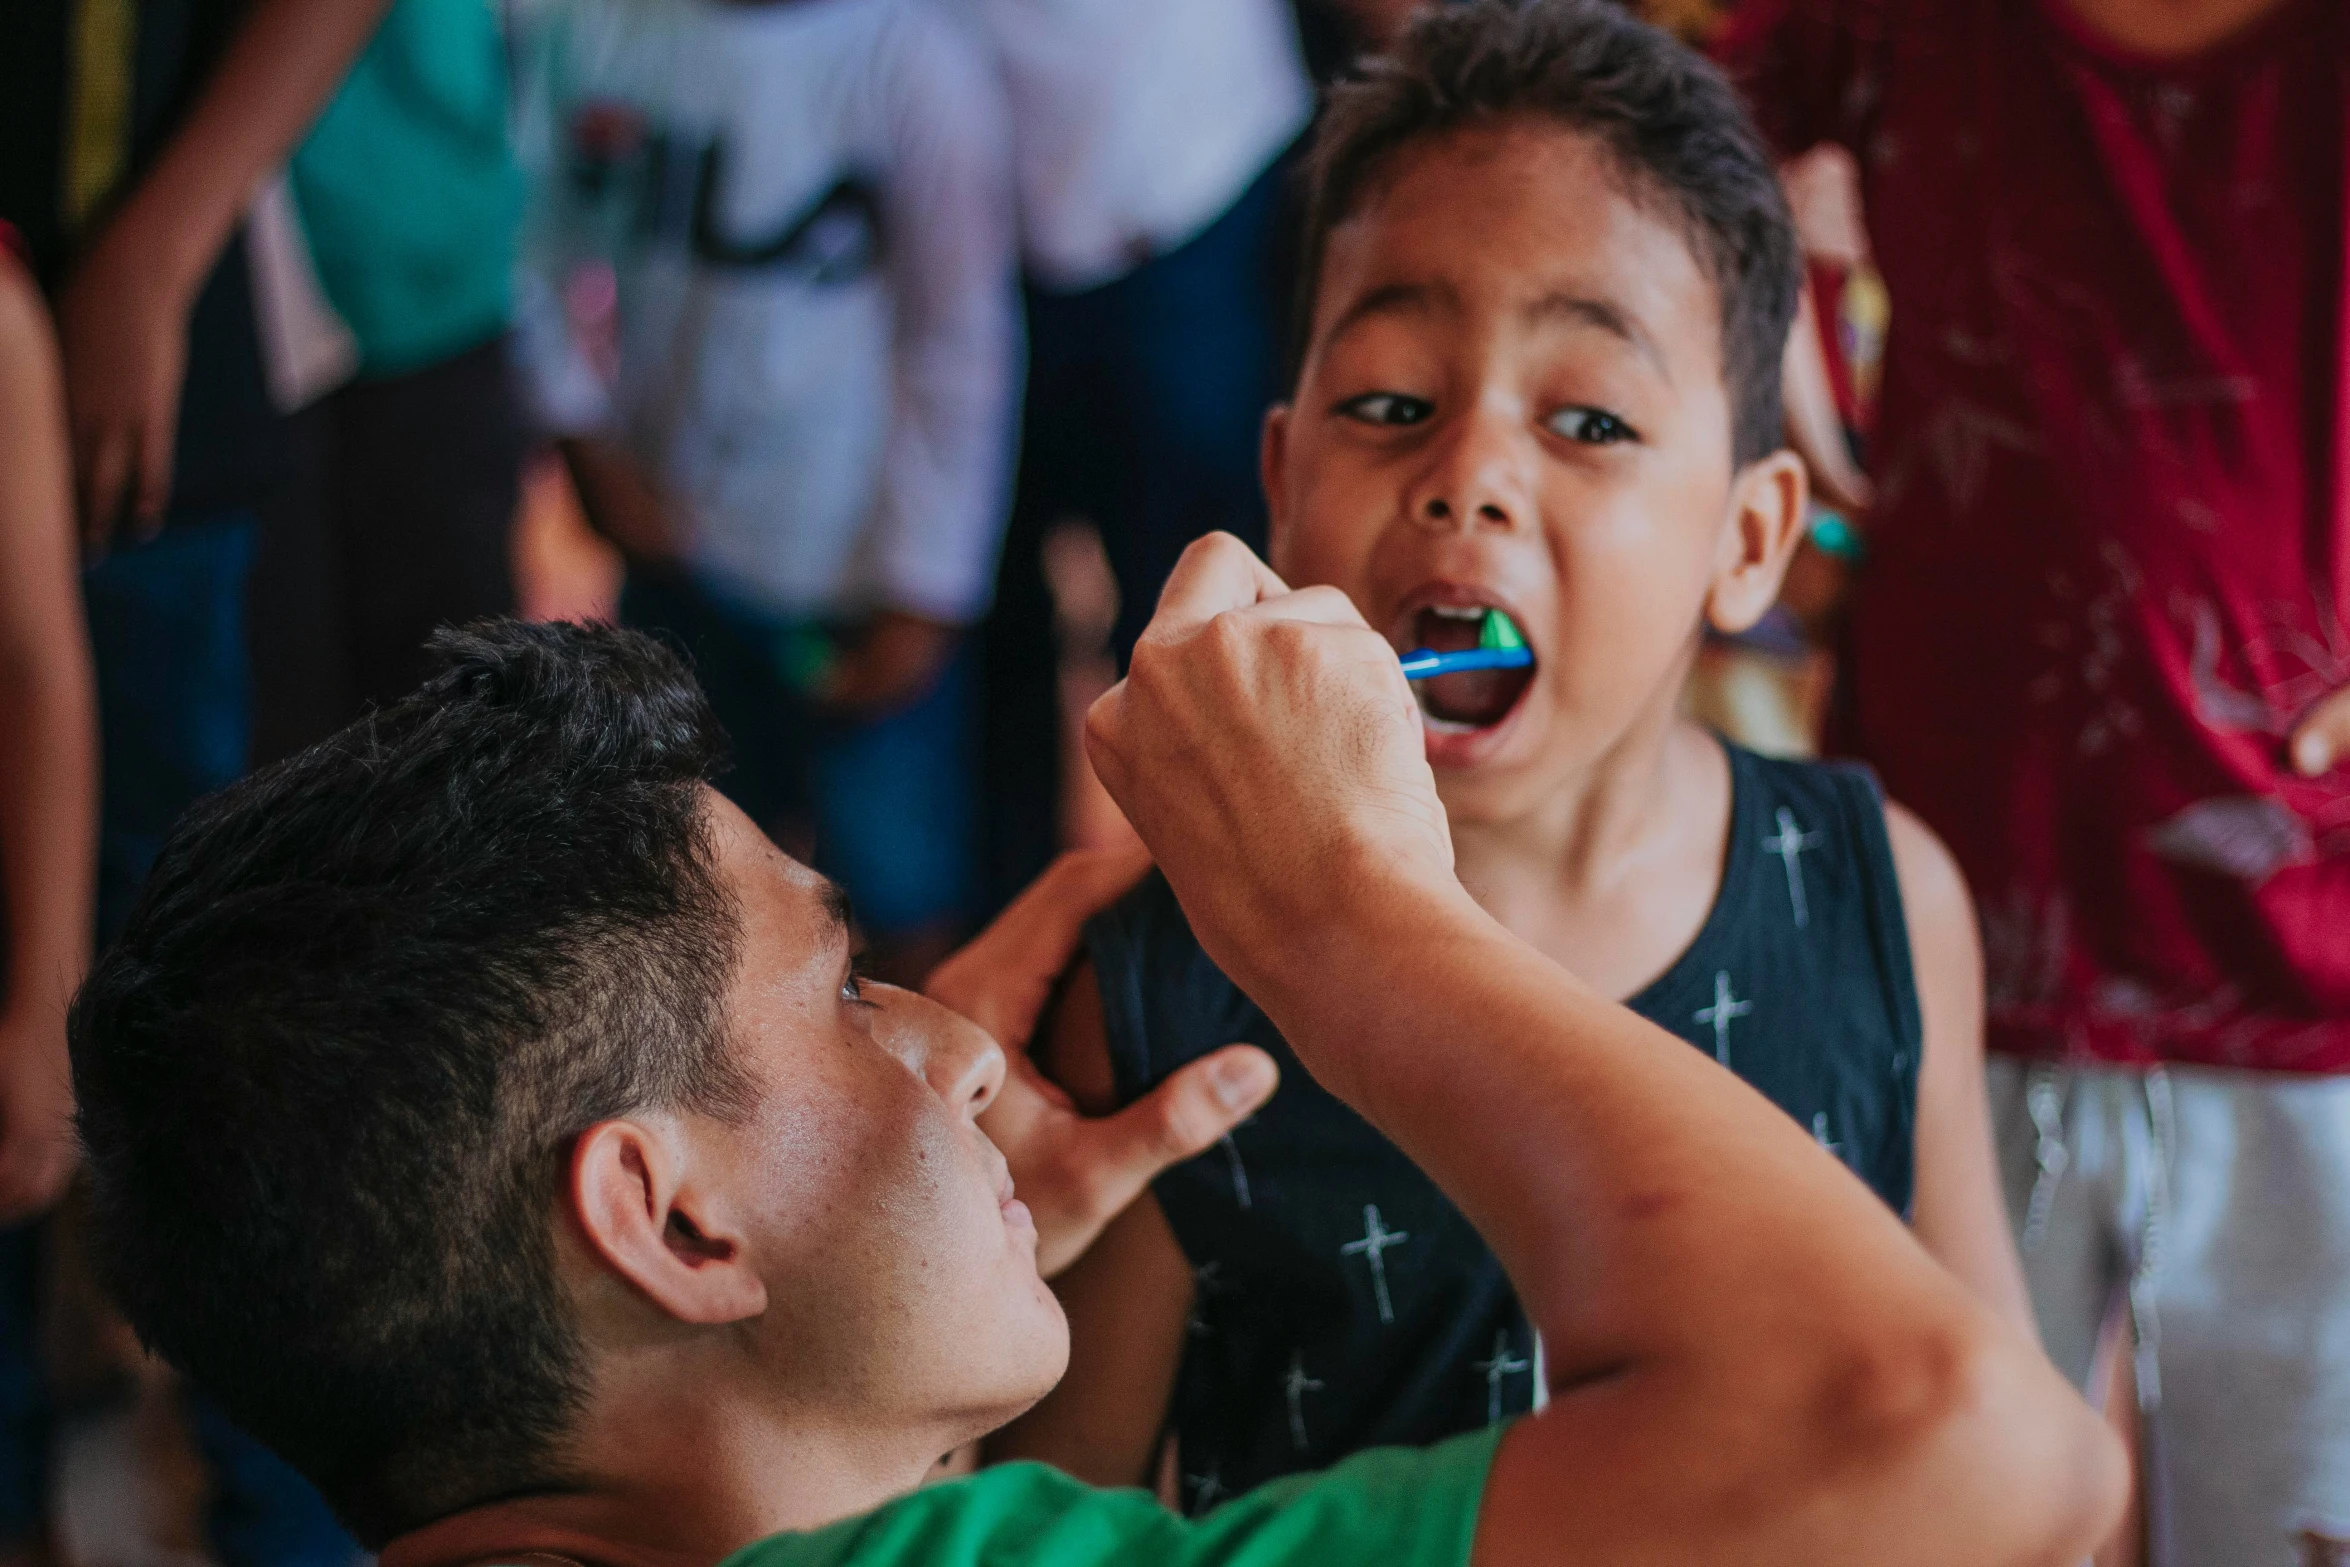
1514 398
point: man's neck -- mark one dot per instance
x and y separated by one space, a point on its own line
673 1486
2170 29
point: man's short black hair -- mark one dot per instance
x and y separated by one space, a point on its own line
1673 124
331 1071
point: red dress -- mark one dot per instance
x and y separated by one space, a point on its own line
2111 562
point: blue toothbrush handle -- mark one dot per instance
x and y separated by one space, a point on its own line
1421 664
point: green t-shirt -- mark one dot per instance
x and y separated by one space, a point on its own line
409 191
1396 1507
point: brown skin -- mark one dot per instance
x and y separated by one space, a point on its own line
1751 1361
124 315
813 1301
1424 446
48 759
786 1315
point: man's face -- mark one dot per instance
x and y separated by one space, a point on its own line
1513 399
901 1275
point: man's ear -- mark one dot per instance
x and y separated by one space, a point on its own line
1272 457
1768 500
650 1218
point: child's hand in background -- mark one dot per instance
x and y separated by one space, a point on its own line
890 665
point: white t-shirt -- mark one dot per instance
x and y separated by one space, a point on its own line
1138 122
805 213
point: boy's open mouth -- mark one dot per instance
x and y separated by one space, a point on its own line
1474 699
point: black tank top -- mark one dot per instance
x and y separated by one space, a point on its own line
1342 1301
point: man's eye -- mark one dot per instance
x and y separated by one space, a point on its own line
1390 408
852 989
1591 426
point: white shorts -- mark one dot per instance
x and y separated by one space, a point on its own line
2208 1209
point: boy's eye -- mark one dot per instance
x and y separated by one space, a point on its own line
1591 426
1390 408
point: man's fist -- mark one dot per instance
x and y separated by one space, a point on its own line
1267 749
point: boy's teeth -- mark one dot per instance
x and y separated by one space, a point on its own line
1447 612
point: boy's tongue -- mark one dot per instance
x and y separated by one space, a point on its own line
1479 698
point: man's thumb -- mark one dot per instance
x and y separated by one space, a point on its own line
1187 1113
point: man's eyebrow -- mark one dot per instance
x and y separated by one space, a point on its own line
1393 299
835 900
1608 318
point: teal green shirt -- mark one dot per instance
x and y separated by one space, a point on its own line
1394 1507
408 189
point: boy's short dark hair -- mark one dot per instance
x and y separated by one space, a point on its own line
330 1072
1672 122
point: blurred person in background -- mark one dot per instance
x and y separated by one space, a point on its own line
773 306
48 854
279 240
1150 143
2102 646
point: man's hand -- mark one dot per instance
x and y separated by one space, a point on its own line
37 1150
1077 1174
123 330
2322 742
1266 747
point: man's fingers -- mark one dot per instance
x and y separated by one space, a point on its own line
1315 606
2323 741
1002 979
1183 1116
1216 573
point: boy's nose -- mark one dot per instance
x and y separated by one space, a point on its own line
1475 481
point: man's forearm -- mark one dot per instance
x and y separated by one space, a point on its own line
1723 1307
273 81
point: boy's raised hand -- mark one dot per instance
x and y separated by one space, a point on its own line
1077 1173
1270 729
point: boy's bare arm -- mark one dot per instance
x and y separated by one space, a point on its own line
1961 1216
1750 1360
1128 1298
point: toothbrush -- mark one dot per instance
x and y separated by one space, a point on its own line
1498 647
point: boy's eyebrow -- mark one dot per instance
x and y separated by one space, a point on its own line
1394 299
1598 313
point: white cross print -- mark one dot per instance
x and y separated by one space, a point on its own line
1239 1171
1207 1283
1377 1237
1503 1364
1297 1385
1727 1009
1819 1134
1790 846
1206 1490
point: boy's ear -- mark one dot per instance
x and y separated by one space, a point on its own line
1768 501
1272 457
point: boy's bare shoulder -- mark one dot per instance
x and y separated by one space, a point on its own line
1933 890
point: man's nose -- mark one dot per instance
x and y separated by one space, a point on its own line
960 1061
1476 474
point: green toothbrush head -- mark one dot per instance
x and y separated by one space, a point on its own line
1497 630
